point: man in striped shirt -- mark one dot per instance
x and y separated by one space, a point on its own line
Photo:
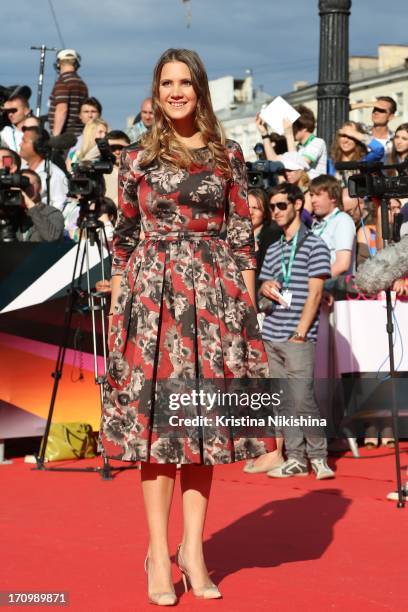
67 95
294 271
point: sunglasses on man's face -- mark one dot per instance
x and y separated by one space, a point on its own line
116 147
377 109
10 111
279 206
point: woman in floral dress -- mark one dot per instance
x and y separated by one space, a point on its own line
182 307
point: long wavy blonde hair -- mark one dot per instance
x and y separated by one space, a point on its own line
89 134
161 143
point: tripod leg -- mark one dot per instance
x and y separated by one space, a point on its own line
57 374
106 471
394 409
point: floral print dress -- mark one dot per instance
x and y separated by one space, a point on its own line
184 312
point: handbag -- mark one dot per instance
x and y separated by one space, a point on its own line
70 441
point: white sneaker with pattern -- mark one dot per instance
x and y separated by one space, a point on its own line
321 469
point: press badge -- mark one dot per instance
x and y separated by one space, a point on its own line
287 296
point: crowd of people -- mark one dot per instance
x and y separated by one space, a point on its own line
350 230
307 228
50 148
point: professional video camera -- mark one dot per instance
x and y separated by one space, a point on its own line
12 215
86 182
264 173
88 186
375 180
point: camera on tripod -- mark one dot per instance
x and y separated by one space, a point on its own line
375 179
12 215
87 185
264 173
86 182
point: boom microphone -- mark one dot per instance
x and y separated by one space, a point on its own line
387 266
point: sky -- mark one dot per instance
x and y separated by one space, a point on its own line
121 40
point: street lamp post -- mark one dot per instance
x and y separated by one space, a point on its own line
333 86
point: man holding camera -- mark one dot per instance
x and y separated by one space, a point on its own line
293 275
35 151
117 140
46 222
23 216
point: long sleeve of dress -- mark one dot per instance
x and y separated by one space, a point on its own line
240 233
127 230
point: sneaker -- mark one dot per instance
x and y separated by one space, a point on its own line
291 467
321 469
394 495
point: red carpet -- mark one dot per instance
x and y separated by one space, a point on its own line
294 544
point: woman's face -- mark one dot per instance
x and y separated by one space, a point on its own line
255 210
100 132
401 142
176 92
293 176
394 208
347 145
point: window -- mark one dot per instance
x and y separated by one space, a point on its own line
399 98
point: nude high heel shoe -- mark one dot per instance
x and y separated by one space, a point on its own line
159 599
209 591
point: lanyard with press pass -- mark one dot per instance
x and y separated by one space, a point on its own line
287 270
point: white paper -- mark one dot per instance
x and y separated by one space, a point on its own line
276 112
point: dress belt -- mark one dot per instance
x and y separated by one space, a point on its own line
181 235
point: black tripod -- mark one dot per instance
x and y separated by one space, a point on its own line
92 236
385 227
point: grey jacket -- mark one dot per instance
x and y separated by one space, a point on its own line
48 224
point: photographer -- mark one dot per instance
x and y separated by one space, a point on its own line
35 151
117 142
47 222
9 159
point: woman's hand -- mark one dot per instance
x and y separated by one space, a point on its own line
115 287
103 286
352 133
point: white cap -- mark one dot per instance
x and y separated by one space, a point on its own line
68 54
293 161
